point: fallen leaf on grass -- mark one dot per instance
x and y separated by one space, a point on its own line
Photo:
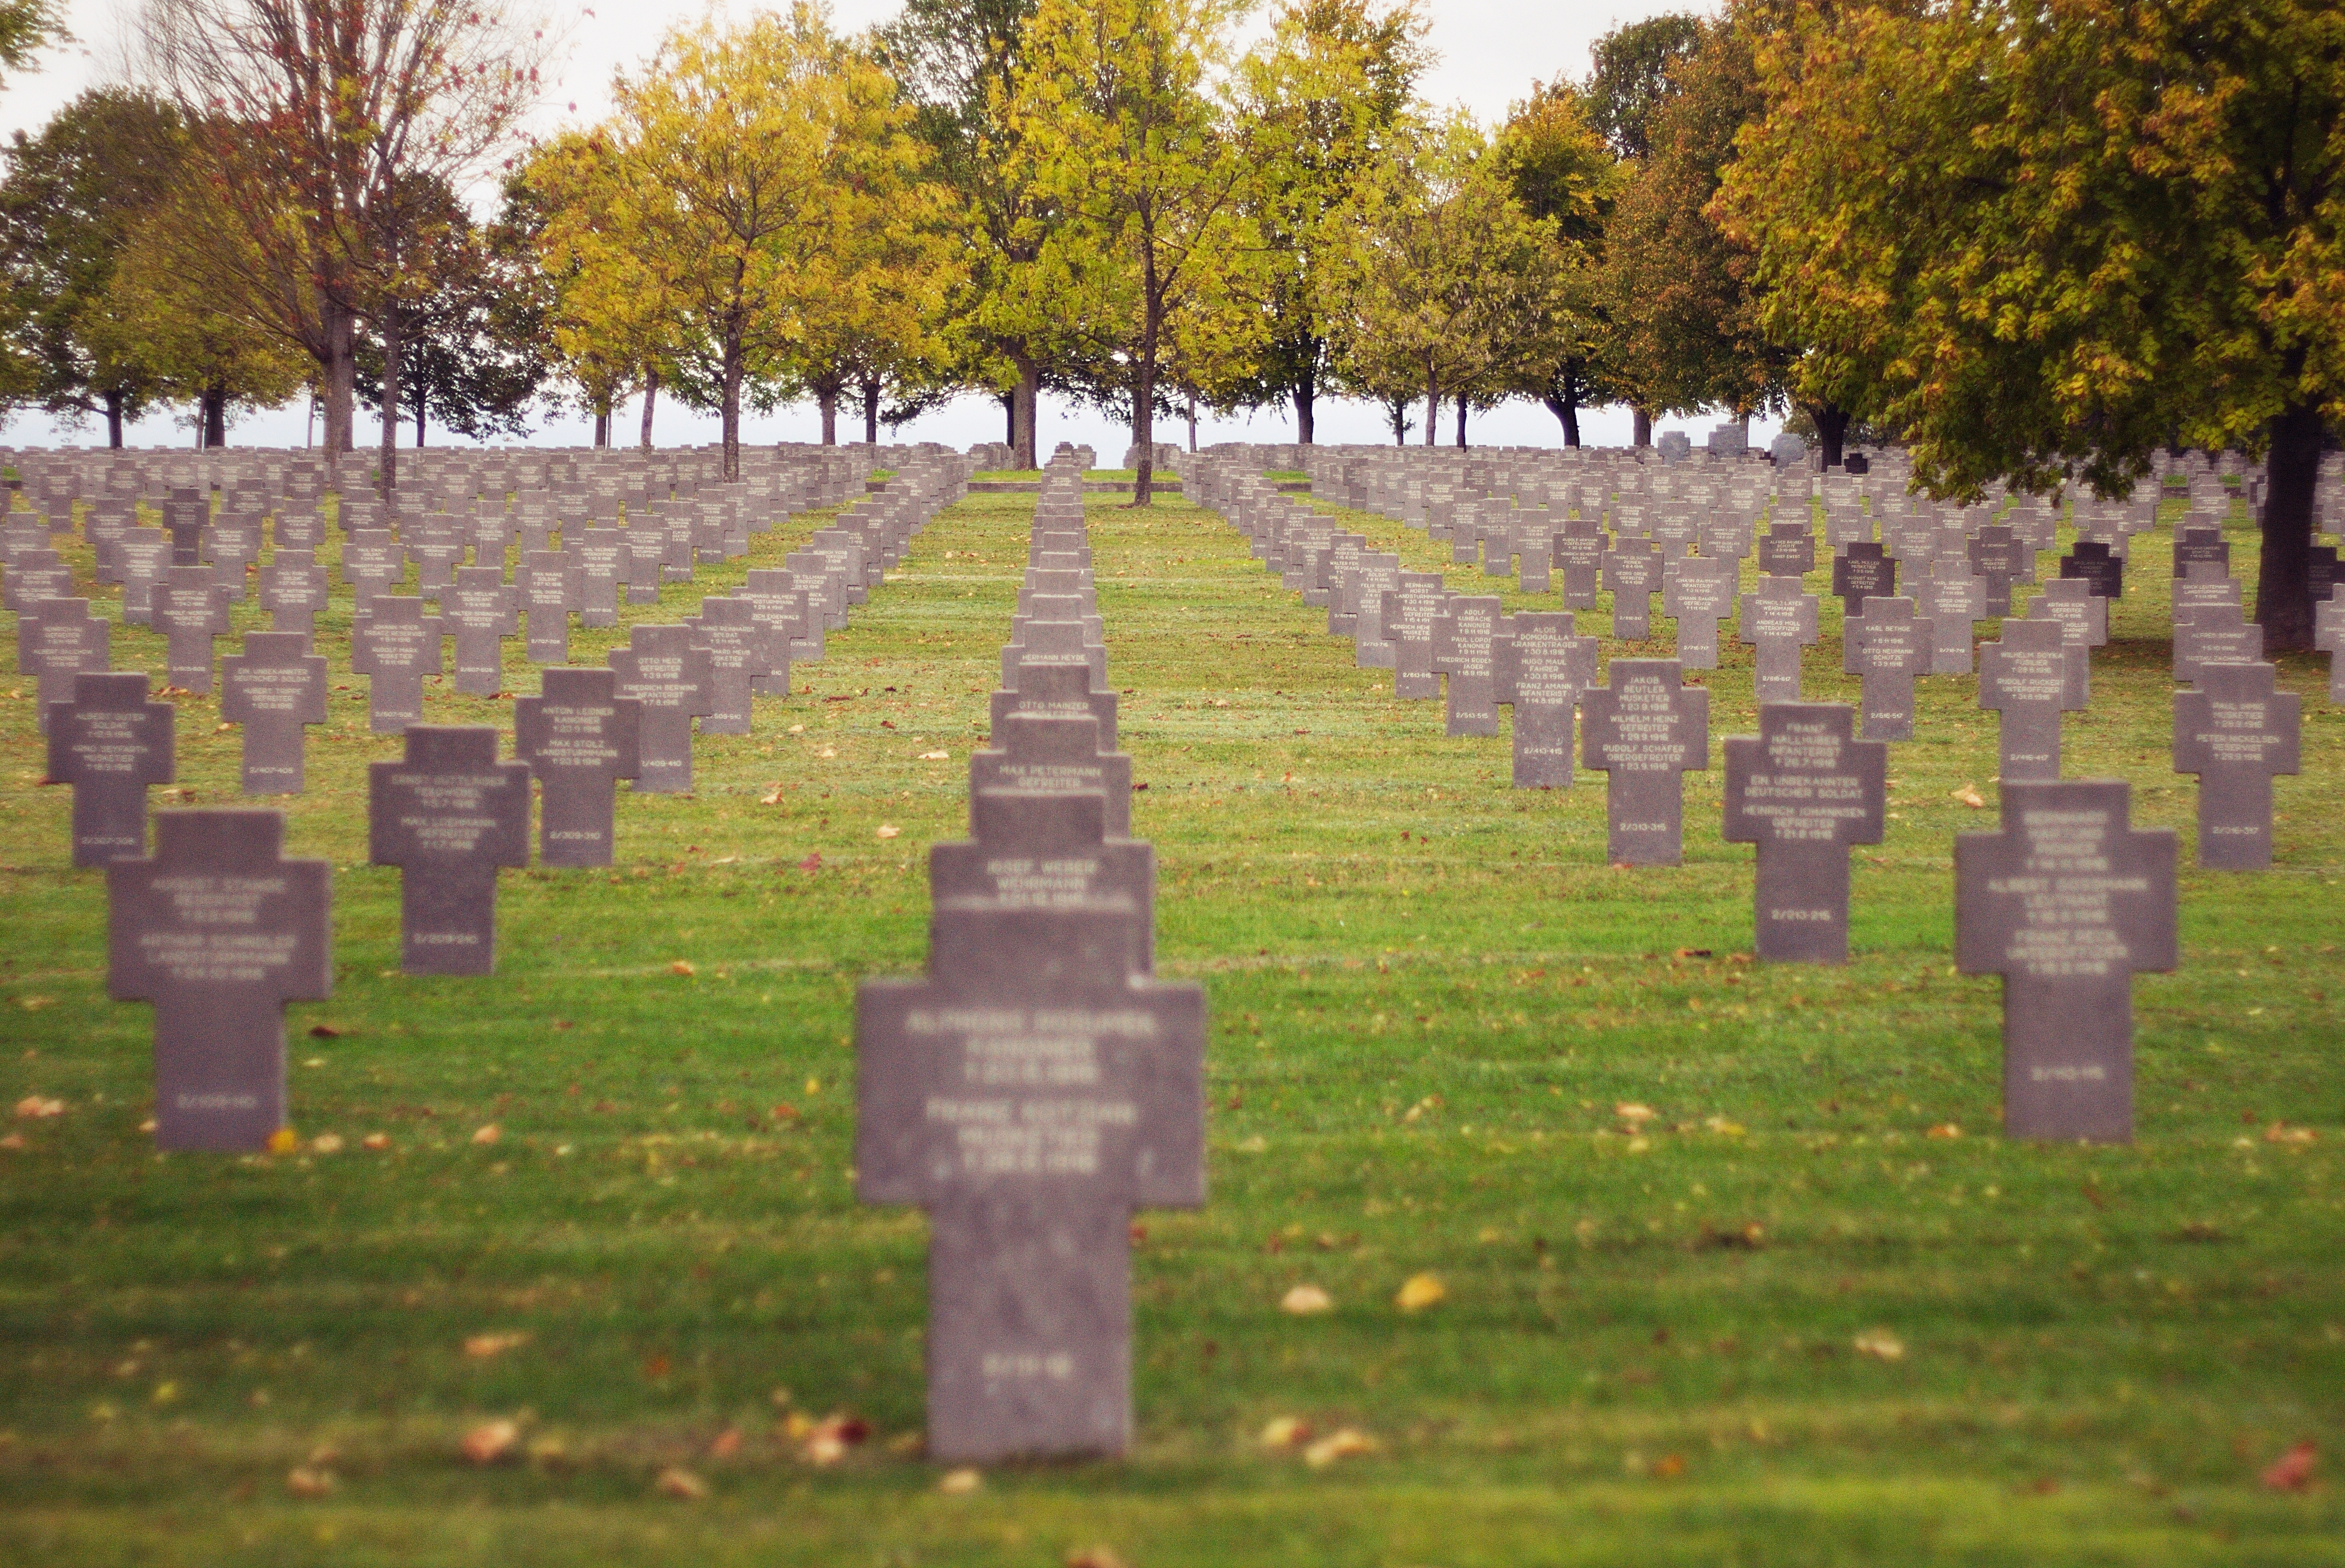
827 1440
376 1141
16 1141
33 1108
959 1482
827 751
492 1441
1420 1291
1095 1557
304 1482
487 1135
726 1444
811 863
1305 1299
1969 796
327 1031
1880 1344
680 1483
34 1003
1286 1432
284 1141
888 830
1669 1467
936 756
683 966
326 1144
1635 1114
1348 1443
2292 1471
1944 1130
2281 1133
488 1346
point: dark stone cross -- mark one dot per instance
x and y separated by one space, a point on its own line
601 553
1540 670
59 640
1788 550
1632 570
548 586
580 738
2236 731
2029 677
2213 633
1046 753
1699 592
186 513
2096 564
143 555
1779 618
34 576
1889 647
2198 546
1647 730
783 607
2328 636
1952 599
741 650
110 744
273 688
2000 557
395 647
448 815
293 590
1057 686
1464 635
646 554
2068 902
1030 1094
220 932
1578 553
1409 613
436 549
1862 571
1804 789
373 566
673 679
190 607
481 610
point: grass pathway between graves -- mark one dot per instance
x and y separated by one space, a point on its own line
1429 995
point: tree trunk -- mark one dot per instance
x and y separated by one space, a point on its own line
827 399
1432 406
1143 407
1566 409
341 384
1832 433
602 426
392 346
114 418
651 396
730 417
1009 402
1192 424
1643 435
1307 397
871 411
2284 577
1461 425
1025 409
418 422
216 415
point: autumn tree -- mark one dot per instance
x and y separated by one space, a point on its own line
26 28
1563 173
2066 234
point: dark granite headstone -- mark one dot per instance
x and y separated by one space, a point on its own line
2198 546
143 554
1779 618
448 815
110 744
740 650
1409 613
186 512
2067 903
2096 564
220 932
1804 789
1050 850
2235 732
1058 686
1541 669
1647 730
2028 677
602 554
1788 550
1030 1094
1463 636
673 679
273 688
2000 557
1632 570
373 566
35 576
580 738
57 641
395 645
481 610
1862 571
189 609
1891 646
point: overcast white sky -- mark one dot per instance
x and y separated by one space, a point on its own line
1490 52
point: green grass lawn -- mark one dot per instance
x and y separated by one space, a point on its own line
1430 998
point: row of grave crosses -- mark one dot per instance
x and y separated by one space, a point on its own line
1038 1085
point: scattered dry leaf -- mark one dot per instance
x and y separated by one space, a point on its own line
772 797
284 1141
1969 796
682 966
487 1347
326 1144
936 756
959 1482
1880 1344
1306 1299
1095 1557
327 1031
1944 1130
34 1003
1669 1467
812 862
888 830
487 1135
1420 1291
679 1482
1635 1114
16 1140
827 751
492 1441
376 1141
2281 1133
32 1108
1349 1442
2292 1471
827 1440
304 1482
1286 1432
726 1444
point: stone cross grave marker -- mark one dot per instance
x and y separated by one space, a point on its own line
599 557
143 554
1699 592
189 609
436 548
2201 585
661 668
374 567
1056 754
1788 550
580 738
548 586
2200 546
1409 614
1579 554
783 608
1804 789
2000 557
2328 636
293 590
2236 731
110 744
220 932
2213 633
186 513
2029 677
646 554
1464 634
481 610
230 547
2068 902
1645 730
2097 566
34 576
1050 850
273 688
395 647
1779 618
1862 571
1632 570
1889 647
1057 686
57 641
1542 670
1030 1094
741 650
448 815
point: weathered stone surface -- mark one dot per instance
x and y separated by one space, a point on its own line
2236 731
110 744
579 737
1646 728
1804 789
273 688
448 814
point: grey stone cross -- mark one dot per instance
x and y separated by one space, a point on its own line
1647 730
274 688
580 738
448 814
2236 731
1804 789
110 744
1542 670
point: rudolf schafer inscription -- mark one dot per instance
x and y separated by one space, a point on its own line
1647 730
220 932
110 744
2067 903
448 815
1804 789
580 738
1030 1094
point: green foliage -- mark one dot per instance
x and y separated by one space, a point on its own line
1633 78
28 27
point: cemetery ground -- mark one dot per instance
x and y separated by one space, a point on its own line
1732 1263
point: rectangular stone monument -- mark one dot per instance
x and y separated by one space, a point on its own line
144 554
35 576
2236 731
580 738
1779 618
59 640
1788 550
1541 669
273 688
395 646
481 610
1804 789
1632 571
661 668
1645 730
1699 593
547 586
220 932
1463 636
602 554
1055 754
1054 685
110 744
2096 564
373 566
448 814
2068 902
740 650
191 609
2029 677
1862 571
1890 645
1951 598
2198 546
